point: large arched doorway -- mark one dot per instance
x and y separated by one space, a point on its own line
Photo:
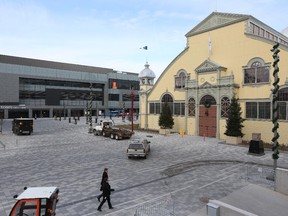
207 116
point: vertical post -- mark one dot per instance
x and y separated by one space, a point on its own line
1 123
90 110
186 107
64 110
123 114
275 91
86 112
132 110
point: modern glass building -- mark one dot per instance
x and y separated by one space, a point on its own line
39 88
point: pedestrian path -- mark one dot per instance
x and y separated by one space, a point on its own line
186 170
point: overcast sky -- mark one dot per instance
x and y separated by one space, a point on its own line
110 33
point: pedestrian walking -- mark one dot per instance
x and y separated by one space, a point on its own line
106 194
104 176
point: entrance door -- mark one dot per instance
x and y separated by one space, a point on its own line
207 117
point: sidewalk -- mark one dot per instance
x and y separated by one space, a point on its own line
255 199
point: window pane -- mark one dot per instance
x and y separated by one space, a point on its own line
251 110
225 103
151 108
249 75
113 97
182 109
283 94
208 99
157 108
180 80
176 108
177 82
264 110
282 111
191 107
26 208
262 74
167 98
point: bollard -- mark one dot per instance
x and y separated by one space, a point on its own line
69 119
75 121
96 120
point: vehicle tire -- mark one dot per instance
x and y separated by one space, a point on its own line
116 137
95 132
112 136
103 133
145 156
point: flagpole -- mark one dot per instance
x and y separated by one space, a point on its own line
145 48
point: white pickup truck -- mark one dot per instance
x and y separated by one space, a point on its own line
106 129
98 129
138 148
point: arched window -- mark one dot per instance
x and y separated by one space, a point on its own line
167 98
180 80
207 101
191 107
283 103
256 72
225 103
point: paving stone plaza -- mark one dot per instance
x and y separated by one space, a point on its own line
180 174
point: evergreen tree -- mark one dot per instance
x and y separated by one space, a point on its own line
166 120
234 122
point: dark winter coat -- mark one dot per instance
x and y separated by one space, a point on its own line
106 189
104 176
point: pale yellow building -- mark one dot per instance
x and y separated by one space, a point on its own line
225 54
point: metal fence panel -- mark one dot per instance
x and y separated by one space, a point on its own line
160 207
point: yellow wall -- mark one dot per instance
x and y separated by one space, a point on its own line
211 78
232 49
191 126
179 124
153 122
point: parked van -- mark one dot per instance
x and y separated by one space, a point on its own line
22 126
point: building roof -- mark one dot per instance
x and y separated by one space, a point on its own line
53 65
209 65
146 72
216 20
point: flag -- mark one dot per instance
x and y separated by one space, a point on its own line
145 48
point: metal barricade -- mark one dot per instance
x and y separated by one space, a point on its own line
160 207
258 174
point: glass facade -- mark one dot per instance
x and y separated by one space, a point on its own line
48 88
33 92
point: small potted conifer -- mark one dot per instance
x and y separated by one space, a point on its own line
166 120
